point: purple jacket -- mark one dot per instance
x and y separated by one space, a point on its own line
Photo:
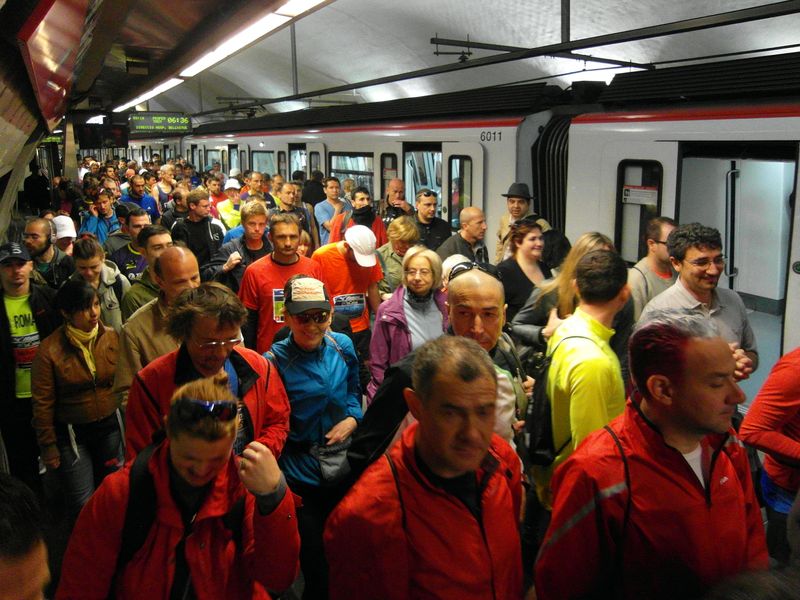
391 337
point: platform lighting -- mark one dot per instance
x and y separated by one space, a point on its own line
294 8
235 43
159 89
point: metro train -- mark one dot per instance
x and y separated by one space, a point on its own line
606 166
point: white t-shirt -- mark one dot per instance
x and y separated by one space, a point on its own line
695 460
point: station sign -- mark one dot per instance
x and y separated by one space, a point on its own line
159 123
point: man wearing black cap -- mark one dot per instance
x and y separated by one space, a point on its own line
518 200
27 316
432 230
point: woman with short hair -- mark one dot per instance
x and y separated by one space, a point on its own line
75 413
414 314
403 234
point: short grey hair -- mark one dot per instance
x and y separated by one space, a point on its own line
454 354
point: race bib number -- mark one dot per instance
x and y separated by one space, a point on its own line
349 305
277 306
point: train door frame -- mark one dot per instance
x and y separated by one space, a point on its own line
233 150
637 194
244 164
318 149
475 153
410 183
297 147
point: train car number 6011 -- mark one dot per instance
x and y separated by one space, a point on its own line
491 136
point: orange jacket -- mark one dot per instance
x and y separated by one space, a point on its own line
430 545
268 557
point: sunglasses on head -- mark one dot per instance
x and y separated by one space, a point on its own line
318 318
191 410
427 194
469 266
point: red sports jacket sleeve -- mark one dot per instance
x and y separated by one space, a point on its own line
143 417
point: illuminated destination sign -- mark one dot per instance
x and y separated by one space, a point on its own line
159 122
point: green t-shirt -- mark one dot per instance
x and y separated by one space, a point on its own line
24 340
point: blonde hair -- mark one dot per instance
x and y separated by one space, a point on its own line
433 260
209 389
562 284
403 229
252 208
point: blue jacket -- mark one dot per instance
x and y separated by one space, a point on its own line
147 203
100 227
323 390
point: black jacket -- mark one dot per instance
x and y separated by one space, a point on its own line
433 234
47 320
203 238
233 278
61 267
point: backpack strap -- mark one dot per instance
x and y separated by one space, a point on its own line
646 284
141 510
626 467
397 486
117 287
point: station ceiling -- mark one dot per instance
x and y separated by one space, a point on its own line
137 44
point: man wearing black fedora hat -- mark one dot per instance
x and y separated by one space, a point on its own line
518 200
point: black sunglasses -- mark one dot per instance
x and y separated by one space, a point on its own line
427 194
319 318
468 266
190 410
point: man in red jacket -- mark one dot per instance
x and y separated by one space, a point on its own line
208 320
660 503
437 515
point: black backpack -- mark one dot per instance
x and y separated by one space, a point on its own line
538 416
141 511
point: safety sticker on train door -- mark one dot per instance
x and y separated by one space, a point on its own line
349 305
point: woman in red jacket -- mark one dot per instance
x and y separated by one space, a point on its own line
190 550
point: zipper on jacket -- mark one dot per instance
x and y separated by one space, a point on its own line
711 469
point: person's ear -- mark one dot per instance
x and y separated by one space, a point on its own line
413 401
676 264
660 389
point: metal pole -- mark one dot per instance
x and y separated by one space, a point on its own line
295 88
565 19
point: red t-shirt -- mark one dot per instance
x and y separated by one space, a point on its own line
262 290
378 228
347 284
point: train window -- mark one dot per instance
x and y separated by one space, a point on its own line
314 161
233 157
459 188
422 168
356 166
212 156
282 164
242 160
388 169
263 161
639 184
298 158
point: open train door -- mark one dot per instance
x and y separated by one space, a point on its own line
462 179
791 324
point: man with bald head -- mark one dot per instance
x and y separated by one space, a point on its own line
394 202
476 304
469 239
144 336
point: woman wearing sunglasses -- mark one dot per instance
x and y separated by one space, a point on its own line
222 526
413 314
524 270
75 414
319 369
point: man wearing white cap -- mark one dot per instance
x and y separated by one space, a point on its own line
351 273
229 209
65 233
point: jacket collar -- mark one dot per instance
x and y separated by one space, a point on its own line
185 371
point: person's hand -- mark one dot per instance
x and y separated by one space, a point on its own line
744 364
92 210
405 207
553 323
527 386
341 431
234 259
52 463
258 469
517 426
